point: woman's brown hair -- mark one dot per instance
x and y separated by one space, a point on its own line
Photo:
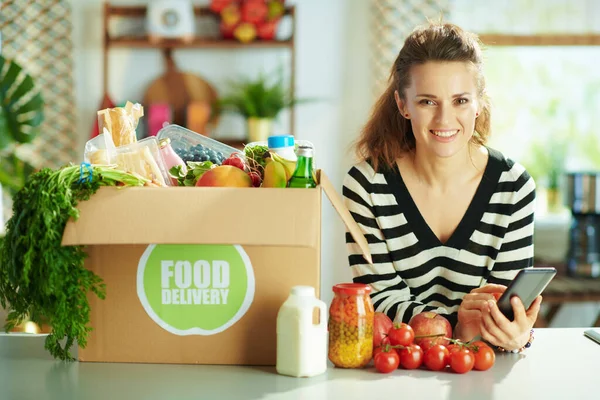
388 135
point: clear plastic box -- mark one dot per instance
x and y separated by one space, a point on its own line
192 146
144 158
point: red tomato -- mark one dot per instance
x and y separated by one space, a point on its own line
411 357
436 358
386 361
401 334
462 360
477 344
484 358
453 348
382 324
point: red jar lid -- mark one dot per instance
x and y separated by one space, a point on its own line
351 288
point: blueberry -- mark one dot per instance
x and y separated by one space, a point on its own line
214 160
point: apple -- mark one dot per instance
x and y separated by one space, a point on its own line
231 14
254 11
245 32
267 30
381 327
430 323
227 30
276 10
218 5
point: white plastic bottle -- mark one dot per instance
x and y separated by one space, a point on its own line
284 145
301 344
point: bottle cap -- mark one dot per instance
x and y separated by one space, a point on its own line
304 291
351 288
278 141
163 142
304 151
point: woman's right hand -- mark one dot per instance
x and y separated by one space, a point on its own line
470 310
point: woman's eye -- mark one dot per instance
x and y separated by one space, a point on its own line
426 102
462 100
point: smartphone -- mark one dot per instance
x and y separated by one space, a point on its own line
593 334
527 285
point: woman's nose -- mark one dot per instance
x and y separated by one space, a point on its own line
444 114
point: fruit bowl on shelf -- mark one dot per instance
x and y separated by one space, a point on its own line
248 20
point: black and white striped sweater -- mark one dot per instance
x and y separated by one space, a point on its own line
412 270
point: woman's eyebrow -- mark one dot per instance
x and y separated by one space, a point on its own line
435 97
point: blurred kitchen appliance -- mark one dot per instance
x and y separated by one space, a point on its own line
170 19
583 199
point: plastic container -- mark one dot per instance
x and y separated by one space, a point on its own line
301 343
171 158
144 158
192 146
351 326
284 145
96 151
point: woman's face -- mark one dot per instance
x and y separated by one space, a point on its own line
442 104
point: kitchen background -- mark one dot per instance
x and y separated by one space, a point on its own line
545 97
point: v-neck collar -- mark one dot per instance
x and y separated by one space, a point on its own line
470 219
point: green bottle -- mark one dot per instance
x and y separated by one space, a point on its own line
303 175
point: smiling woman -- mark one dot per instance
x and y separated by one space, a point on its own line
448 219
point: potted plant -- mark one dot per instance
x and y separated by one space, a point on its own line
21 113
546 164
259 101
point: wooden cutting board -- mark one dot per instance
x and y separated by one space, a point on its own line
179 89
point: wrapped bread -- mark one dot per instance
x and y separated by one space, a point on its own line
121 123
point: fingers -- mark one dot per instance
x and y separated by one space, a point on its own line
518 310
534 309
475 304
487 336
489 330
499 319
466 316
489 288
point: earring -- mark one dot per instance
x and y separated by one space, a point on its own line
405 115
476 114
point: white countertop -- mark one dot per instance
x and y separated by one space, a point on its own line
561 364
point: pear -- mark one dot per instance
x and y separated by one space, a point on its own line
275 175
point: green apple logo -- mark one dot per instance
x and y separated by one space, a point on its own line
195 289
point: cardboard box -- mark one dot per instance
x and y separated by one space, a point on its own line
197 275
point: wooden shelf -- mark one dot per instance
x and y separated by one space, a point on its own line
140 11
198 42
144 42
540 40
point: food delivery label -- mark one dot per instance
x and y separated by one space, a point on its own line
195 289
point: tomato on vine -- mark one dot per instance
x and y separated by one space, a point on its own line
436 358
411 357
462 360
484 358
401 334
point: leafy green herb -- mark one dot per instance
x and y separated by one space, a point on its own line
194 171
255 156
41 279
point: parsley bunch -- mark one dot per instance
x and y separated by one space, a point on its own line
41 279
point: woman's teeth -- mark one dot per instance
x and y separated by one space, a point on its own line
444 133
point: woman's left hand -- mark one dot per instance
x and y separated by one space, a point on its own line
499 331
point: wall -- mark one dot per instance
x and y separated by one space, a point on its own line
332 65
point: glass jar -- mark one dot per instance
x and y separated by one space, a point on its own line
351 326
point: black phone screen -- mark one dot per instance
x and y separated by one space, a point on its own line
527 285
